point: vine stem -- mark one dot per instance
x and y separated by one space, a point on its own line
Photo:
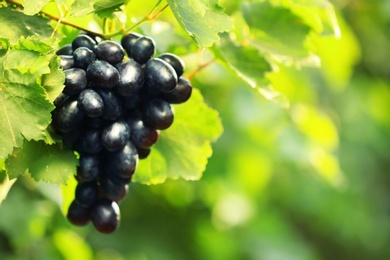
199 69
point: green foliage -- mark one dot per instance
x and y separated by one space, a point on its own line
201 19
49 163
305 180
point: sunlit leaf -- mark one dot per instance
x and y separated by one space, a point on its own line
49 163
201 19
25 25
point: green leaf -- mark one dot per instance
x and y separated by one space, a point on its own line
25 25
24 110
33 7
184 148
53 82
45 162
201 19
249 64
82 7
276 29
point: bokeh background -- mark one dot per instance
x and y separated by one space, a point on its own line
310 181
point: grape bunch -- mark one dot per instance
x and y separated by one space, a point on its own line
110 112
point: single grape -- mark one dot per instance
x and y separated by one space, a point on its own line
91 102
128 41
87 193
175 61
105 216
115 135
89 168
112 104
113 191
66 62
123 162
143 153
65 50
91 141
180 94
158 114
110 51
75 81
83 40
77 214
143 49
142 136
131 78
83 57
69 117
102 74
160 75
72 139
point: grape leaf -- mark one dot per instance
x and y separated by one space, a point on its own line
45 162
24 111
82 7
184 148
201 19
33 7
276 29
25 25
53 82
248 64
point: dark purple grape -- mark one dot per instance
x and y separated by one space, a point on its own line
67 62
115 135
102 74
158 114
112 104
160 75
128 41
65 50
110 51
131 78
180 94
91 102
143 49
113 191
105 216
83 57
123 162
175 61
75 81
69 117
83 40
89 168
77 214
143 153
142 136
91 141
87 193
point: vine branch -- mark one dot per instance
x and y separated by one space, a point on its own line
199 69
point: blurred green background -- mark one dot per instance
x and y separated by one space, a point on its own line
308 182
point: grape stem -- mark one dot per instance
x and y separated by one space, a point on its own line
150 16
199 69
